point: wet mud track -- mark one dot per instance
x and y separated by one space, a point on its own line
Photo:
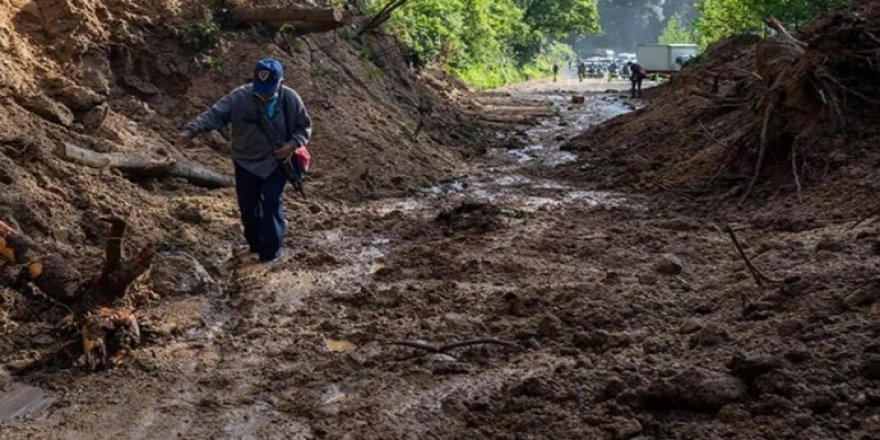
621 314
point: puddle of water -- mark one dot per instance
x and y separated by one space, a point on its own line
548 136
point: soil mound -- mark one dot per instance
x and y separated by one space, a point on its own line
122 78
753 117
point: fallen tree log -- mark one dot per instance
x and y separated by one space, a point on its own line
147 166
276 14
304 27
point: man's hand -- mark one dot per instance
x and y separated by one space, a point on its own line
183 139
285 152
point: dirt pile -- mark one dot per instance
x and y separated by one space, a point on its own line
123 77
756 116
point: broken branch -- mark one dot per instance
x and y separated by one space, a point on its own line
759 276
275 14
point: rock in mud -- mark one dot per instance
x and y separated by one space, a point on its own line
180 274
48 109
690 325
76 97
696 389
532 387
669 264
749 366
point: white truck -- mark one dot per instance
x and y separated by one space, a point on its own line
665 57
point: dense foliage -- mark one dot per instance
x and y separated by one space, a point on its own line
488 43
676 32
493 42
721 18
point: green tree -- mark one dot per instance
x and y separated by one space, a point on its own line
676 32
489 42
721 18
559 18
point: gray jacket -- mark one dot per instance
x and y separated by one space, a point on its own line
251 148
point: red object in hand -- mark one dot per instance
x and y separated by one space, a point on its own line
302 157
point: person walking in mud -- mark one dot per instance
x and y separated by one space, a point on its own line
636 75
555 72
270 127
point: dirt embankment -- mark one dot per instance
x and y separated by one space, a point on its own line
632 312
116 77
789 116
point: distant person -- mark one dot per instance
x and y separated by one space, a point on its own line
637 74
582 71
270 128
555 71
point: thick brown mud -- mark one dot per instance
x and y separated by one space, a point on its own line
622 317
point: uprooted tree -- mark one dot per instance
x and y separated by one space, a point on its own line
806 89
107 333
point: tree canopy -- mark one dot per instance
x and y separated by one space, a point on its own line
491 42
676 32
721 18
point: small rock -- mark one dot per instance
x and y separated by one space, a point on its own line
181 274
76 97
532 387
51 110
690 325
749 366
93 119
669 265
697 389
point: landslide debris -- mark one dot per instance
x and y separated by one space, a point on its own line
754 117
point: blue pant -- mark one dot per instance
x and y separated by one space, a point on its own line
262 216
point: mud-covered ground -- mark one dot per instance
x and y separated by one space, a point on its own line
610 315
